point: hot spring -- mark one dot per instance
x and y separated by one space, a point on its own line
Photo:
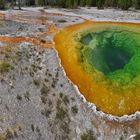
103 60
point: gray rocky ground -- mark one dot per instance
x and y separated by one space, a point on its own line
37 100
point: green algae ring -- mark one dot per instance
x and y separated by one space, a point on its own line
103 60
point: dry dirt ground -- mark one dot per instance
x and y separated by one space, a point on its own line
37 100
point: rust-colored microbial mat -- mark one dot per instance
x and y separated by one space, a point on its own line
103 60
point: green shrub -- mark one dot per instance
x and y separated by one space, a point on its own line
32 127
65 127
74 109
46 112
36 82
27 96
19 97
61 113
5 67
88 135
66 100
2 4
44 90
43 99
61 95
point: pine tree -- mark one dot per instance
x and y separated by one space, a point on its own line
111 3
114 3
19 4
89 2
68 3
93 2
2 4
124 4
71 3
136 4
108 3
82 2
100 4
75 3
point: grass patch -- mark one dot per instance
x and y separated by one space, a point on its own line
65 127
61 113
44 90
43 99
32 127
34 67
66 100
27 96
74 110
19 97
36 82
88 135
5 67
61 94
9 134
46 112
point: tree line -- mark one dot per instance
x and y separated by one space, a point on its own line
123 4
100 4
